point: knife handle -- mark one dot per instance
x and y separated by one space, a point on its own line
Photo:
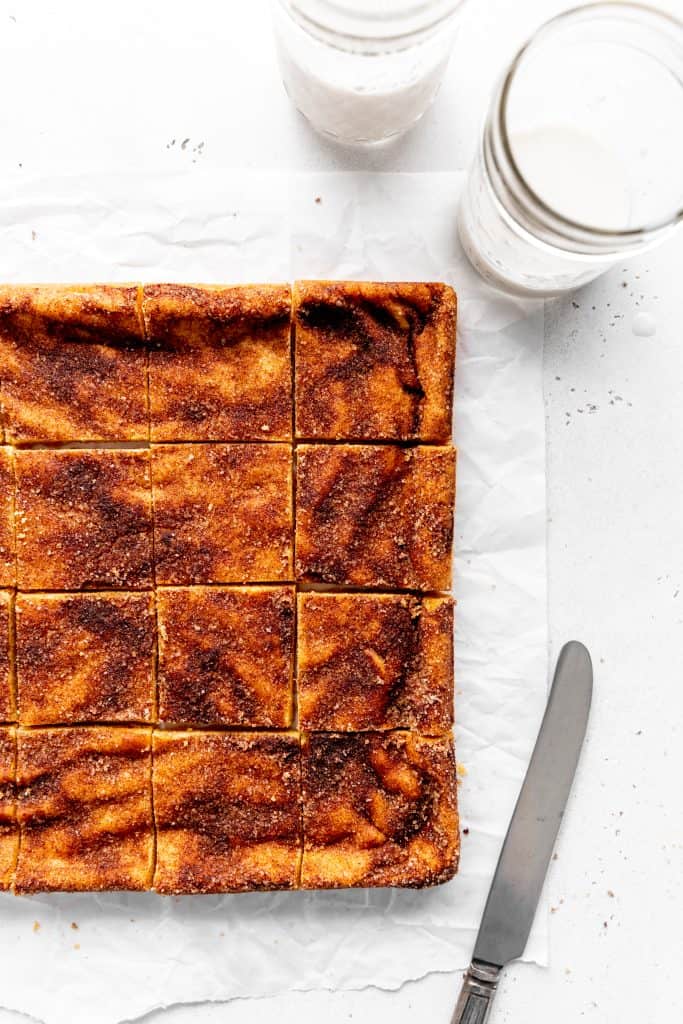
476 994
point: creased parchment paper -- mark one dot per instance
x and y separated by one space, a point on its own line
132 953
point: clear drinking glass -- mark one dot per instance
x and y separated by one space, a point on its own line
581 160
363 71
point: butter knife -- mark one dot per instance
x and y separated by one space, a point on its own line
528 845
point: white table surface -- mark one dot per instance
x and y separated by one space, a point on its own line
105 86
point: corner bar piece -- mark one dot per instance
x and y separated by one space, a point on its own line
379 809
374 361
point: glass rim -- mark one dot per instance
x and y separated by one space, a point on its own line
550 218
320 30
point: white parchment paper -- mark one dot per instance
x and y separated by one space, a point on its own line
132 953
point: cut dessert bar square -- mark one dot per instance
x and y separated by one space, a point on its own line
7 550
85 657
379 809
84 520
6 658
226 655
220 362
84 809
222 513
74 363
227 810
375 661
375 515
9 835
374 360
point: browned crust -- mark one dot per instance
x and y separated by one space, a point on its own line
375 515
220 362
84 809
73 363
83 520
374 360
375 661
379 809
7 547
226 656
222 513
84 657
227 809
9 834
6 683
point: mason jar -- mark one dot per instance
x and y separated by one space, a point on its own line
363 71
581 160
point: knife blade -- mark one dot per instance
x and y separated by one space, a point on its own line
528 846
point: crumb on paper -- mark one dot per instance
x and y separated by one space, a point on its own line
36 926
465 831
318 200
77 945
461 770
610 894
74 926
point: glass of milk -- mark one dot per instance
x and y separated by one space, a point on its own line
581 160
363 71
